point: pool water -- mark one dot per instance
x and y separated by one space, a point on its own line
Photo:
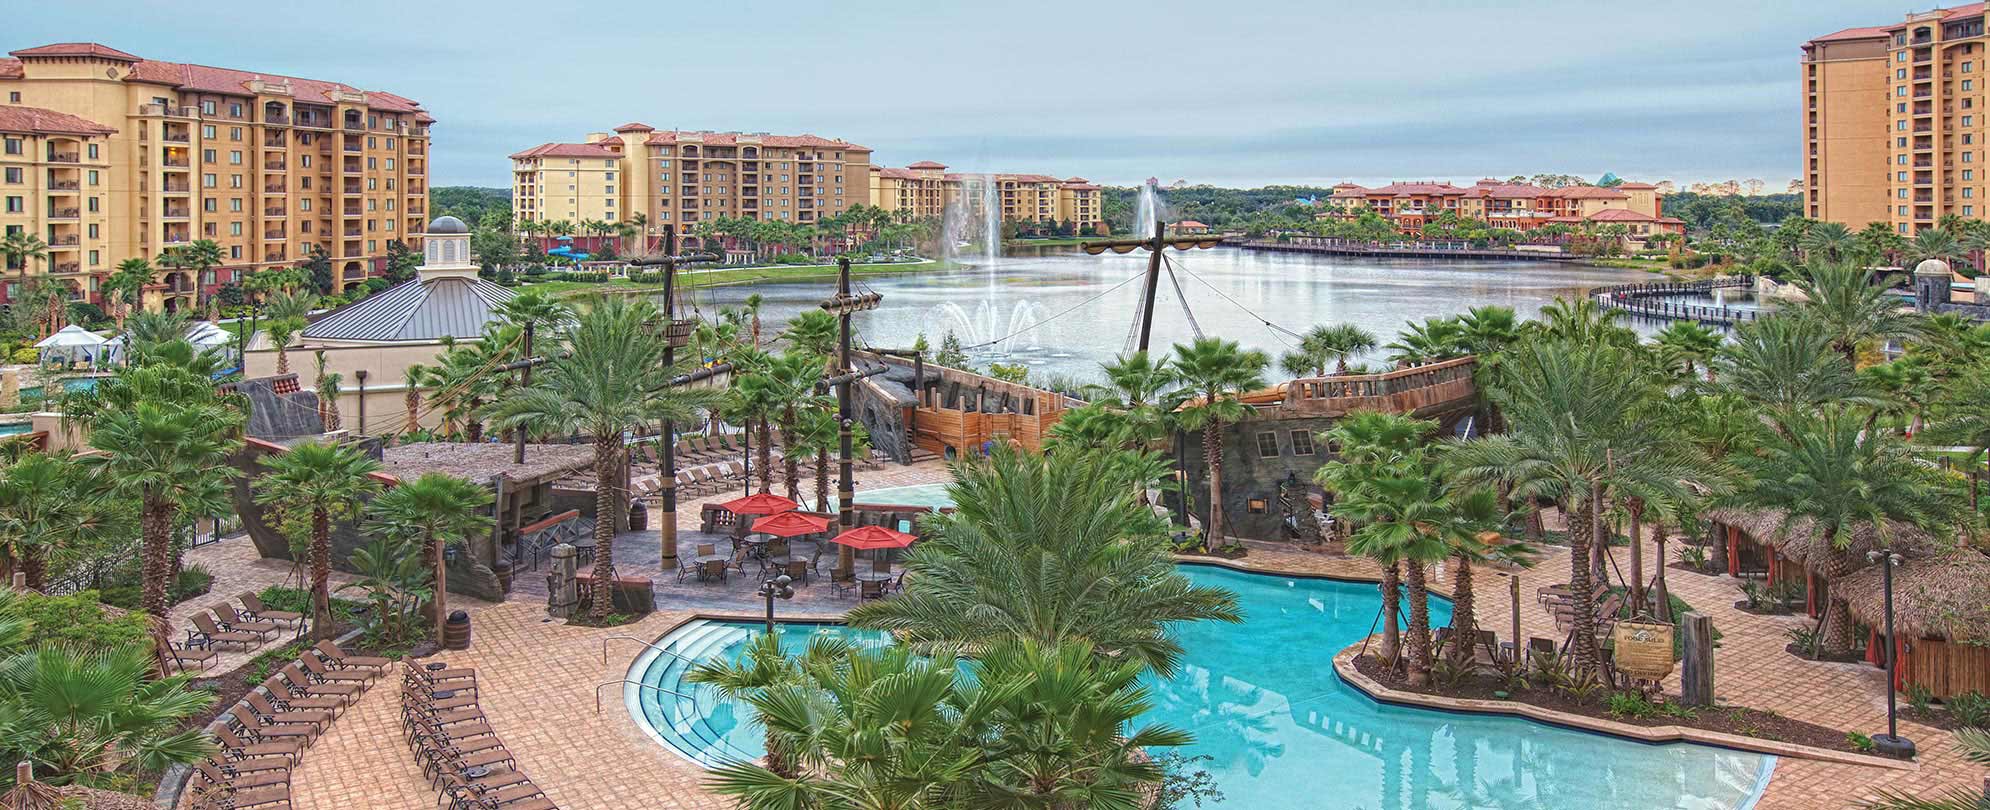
931 496
1282 732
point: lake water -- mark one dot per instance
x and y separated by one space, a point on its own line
1061 312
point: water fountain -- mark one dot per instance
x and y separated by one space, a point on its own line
991 219
1004 335
1149 208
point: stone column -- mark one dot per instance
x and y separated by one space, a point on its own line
562 596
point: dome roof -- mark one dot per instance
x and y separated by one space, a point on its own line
447 224
1932 267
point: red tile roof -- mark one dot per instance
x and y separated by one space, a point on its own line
895 174
1585 193
1080 186
635 126
10 68
1853 33
568 150
1620 215
1636 187
669 137
927 164
48 122
1189 223
90 49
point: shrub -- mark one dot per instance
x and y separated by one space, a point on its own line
79 618
1808 642
1859 742
293 600
1631 704
1694 557
194 581
1918 699
1970 709
26 356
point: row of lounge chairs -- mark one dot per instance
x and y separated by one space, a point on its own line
1559 602
222 625
268 732
457 749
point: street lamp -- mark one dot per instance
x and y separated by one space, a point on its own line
772 589
1890 743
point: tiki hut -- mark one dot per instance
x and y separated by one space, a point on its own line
1941 619
1759 542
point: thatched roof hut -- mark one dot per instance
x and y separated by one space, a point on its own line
1801 543
1944 595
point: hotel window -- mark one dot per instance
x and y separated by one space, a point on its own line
234 229
1900 73
1969 192
207 156
13 174
234 111
1267 445
93 230
235 204
13 146
1900 177
207 132
210 205
93 176
235 158
234 181
93 151
1903 210
1302 443
209 181
15 206
93 263
1902 194
1900 91
1900 125
92 204
234 133
1969 174
1901 56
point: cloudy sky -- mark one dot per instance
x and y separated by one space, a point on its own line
1240 93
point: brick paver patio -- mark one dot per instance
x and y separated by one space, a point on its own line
538 679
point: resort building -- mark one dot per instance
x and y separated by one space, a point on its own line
1513 206
667 177
108 156
1892 130
925 190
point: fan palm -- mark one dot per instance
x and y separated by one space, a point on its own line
439 510
1137 399
1853 307
536 308
79 713
1692 343
1052 548
165 437
1368 442
1936 243
1829 241
611 380
1403 514
51 503
763 666
318 483
288 313
1434 340
1219 372
1830 477
1321 345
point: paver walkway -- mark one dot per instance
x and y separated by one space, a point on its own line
538 678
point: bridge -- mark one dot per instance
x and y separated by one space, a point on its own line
1405 250
1649 300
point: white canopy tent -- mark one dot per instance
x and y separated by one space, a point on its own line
71 344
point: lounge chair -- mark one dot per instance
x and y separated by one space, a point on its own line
208 634
260 731
323 673
243 780
272 715
302 685
181 657
238 749
346 660
253 606
236 622
281 696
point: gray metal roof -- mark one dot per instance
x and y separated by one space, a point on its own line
424 309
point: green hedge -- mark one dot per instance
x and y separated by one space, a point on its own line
78 618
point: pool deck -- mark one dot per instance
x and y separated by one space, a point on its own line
539 679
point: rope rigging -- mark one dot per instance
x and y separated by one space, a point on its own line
1071 309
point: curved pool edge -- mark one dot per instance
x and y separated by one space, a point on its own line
632 692
1647 735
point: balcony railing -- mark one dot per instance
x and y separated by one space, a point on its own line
64 185
275 165
277 211
177 213
172 138
271 236
64 213
63 241
173 164
177 188
69 267
64 157
352 232
278 119
168 110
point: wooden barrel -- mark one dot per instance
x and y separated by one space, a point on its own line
456 631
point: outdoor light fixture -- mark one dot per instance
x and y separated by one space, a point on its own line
1256 505
1890 743
772 589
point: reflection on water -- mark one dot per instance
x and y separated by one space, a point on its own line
1285 733
1053 311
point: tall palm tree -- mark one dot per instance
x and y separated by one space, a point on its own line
20 247
611 380
1935 243
1582 320
1853 307
1392 491
125 288
1330 343
1786 366
1219 372
1050 548
417 376
288 315
1878 243
536 308
753 402
1139 395
318 483
1829 241
1692 343
1830 478
1434 340
791 381
440 510
165 437
1368 442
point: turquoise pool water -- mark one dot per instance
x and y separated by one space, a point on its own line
1284 733
932 496
33 393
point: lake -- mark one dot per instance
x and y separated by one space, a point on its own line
1065 312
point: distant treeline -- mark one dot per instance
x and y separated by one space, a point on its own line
469 203
1210 205
1702 211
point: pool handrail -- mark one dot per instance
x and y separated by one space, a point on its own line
650 644
598 688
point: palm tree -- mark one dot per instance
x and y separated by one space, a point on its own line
126 287
413 380
754 402
18 247
288 314
1050 548
1434 340
1829 241
318 483
762 668
1830 478
78 714
1852 305
1321 345
1905 386
1391 490
53 503
1935 243
1786 366
440 510
1582 320
1219 371
1138 397
536 308
1693 343
612 379
165 437
790 380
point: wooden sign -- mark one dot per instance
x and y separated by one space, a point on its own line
1643 650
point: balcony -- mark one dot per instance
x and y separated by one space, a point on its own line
173 137
177 212
275 211
174 163
276 165
64 157
64 213
68 267
355 125
63 185
352 232
68 241
274 235
276 119
167 110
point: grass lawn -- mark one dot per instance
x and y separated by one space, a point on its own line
1647 265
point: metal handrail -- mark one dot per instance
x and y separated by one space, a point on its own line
649 644
597 691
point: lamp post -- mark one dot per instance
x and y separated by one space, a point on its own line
1890 743
776 588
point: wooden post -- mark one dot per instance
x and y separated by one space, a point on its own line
666 536
1513 592
846 496
360 375
1153 282
524 381
1696 679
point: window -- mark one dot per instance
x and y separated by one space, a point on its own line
234 133
93 230
1302 443
1900 91
1900 73
93 176
235 204
207 156
1902 194
234 181
234 229
1900 125
1900 177
1903 210
1968 192
15 205
209 205
94 261
93 151
209 181
1267 445
235 110
93 204
1969 174
207 132
235 157
13 174
13 146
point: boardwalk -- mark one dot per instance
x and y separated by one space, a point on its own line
1405 250
1649 300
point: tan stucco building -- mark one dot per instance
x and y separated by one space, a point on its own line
269 167
926 189
681 178
1893 121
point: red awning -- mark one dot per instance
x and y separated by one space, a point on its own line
791 524
867 537
765 503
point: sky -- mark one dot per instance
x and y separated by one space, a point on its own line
1245 93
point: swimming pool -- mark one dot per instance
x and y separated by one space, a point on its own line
931 496
1283 732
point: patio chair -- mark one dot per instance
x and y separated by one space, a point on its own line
345 660
686 485
272 715
253 606
301 685
181 657
523 795
704 479
870 589
454 678
235 767
686 566
208 634
260 731
229 797
242 780
711 570
236 622
236 748
281 697
797 570
322 673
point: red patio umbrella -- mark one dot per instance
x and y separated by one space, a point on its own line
868 537
791 524
765 503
